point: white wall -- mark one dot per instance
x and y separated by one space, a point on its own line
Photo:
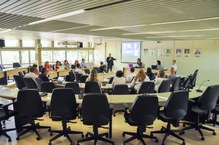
207 63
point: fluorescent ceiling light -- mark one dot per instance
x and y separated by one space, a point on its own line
118 27
5 31
58 17
141 33
71 28
177 36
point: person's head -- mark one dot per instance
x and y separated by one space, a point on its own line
119 74
76 62
101 63
66 62
141 75
109 54
158 62
57 62
149 71
174 61
78 65
132 69
172 70
83 60
44 71
35 65
93 75
161 73
46 63
138 60
33 70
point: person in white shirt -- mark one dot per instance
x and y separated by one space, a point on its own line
79 70
119 79
139 79
32 74
160 77
131 76
174 65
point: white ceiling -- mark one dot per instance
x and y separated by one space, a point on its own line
155 20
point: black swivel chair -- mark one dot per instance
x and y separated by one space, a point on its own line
175 84
77 76
38 82
185 84
165 86
92 87
29 106
19 82
63 108
72 76
95 115
29 83
16 64
193 79
74 86
5 114
205 104
147 87
47 87
142 113
83 78
174 110
215 114
111 80
20 74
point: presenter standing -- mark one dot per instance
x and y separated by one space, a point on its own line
110 63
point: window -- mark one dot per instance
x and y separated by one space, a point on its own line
72 55
32 56
46 43
47 56
9 57
25 57
91 55
11 43
28 43
83 54
58 55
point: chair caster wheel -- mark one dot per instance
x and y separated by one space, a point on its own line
183 143
82 136
38 138
18 138
86 135
202 138
156 141
214 133
123 134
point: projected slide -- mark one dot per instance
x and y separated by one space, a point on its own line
131 51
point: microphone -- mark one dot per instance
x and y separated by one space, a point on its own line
199 90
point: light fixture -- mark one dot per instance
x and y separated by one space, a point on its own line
141 33
71 28
58 17
177 36
5 31
118 27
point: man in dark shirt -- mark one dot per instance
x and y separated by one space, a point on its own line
110 63
43 75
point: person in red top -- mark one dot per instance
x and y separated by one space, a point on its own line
47 65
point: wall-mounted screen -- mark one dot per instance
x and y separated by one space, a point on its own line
131 51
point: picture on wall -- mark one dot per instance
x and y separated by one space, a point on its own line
186 52
151 52
160 52
146 51
197 52
168 52
178 52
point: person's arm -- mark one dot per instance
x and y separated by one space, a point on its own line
113 58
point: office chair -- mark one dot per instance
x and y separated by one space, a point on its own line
38 82
92 87
95 115
185 85
193 79
165 86
205 104
19 82
29 106
77 76
63 108
142 113
83 78
174 110
40 68
5 114
47 87
175 84
87 71
30 83
146 87
74 86
215 113
72 76
24 72
20 74
111 80
16 64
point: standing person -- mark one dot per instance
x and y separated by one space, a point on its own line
110 63
132 74
139 63
82 64
66 65
174 65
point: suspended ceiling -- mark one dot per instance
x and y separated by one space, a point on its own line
129 19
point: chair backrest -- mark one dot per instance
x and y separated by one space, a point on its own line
63 104
111 80
24 72
165 86
40 68
175 84
186 82
47 87
71 76
144 109
176 105
38 82
87 71
92 87
29 83
29 103
83 78
16 64
193 79
74 86
208 100
121 89
19 82
20 74
146 87
94 114
77 76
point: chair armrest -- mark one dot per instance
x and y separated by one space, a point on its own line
5 107
127 108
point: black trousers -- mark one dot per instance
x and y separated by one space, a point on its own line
109 67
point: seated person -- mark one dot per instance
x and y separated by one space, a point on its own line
160 77
172 74
43 75
139 79
32 74
139 63
102 67
131 76
93 77
66 65
118 79
83 63
79 70
35 66
47 65
159 66
57 65
76 62
150 74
